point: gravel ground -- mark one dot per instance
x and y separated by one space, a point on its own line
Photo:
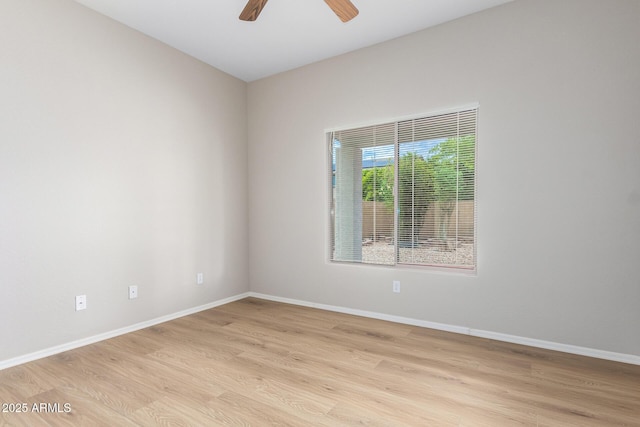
383 252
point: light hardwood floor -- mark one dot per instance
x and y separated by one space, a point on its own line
262 363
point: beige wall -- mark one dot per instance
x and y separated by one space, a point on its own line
461 216
558 171
376 216
122 162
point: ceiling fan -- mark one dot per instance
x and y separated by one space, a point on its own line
345 10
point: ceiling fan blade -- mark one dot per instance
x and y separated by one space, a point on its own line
252 10
345 10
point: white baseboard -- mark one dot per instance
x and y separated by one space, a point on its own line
105 336
548 345
566 348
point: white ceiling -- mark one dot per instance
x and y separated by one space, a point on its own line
288 33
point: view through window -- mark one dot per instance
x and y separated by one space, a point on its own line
404 192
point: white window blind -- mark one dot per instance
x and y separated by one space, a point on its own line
404 192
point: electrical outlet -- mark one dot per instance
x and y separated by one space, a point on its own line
81 302
396 286
133 292
200 279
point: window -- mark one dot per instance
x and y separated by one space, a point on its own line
404 192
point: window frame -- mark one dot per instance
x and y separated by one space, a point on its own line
397 264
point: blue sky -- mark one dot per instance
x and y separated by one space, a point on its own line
382 155
385 152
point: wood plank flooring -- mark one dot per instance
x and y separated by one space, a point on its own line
262 363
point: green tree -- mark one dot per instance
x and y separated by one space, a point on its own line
452 165
415 195
377 185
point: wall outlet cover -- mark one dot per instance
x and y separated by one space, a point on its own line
81 302
133 292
